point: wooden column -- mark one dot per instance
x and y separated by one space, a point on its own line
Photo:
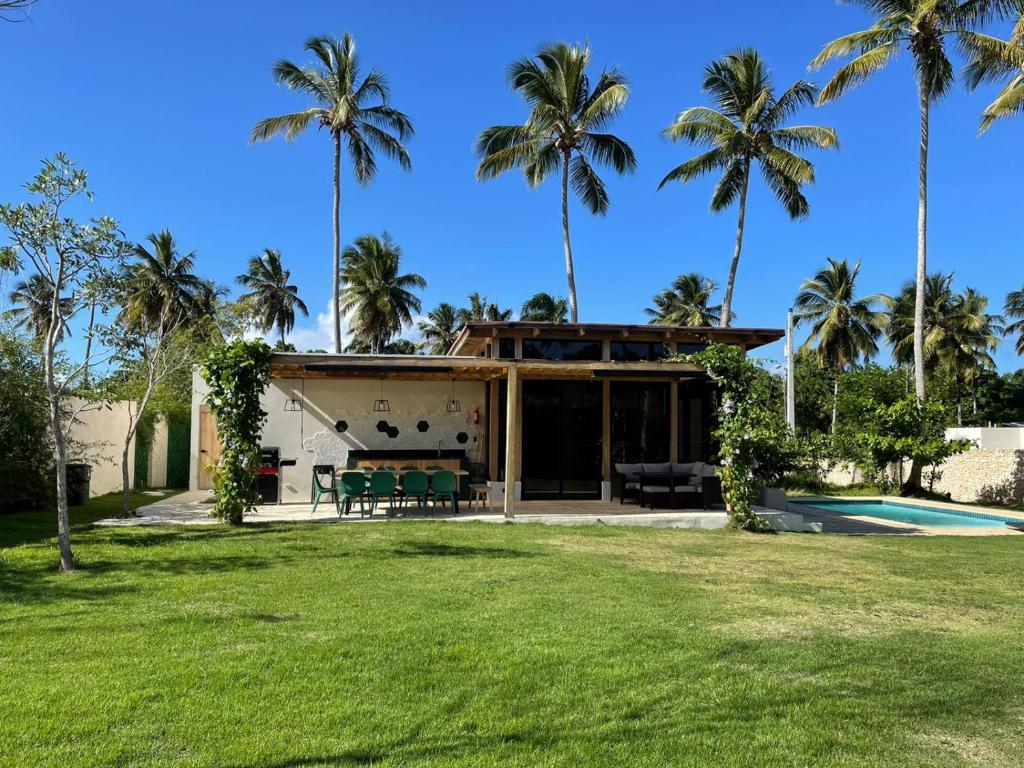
673 422
512 428
494 388
606 430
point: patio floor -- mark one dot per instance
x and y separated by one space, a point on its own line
194 507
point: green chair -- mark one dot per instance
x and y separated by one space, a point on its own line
444 486
435 468
382 485
320 488
353 486
415 485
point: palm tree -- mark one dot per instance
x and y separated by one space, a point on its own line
686 302
845 329
274 300
924 27
561 132
959 333
482 309
379 298
1014 310
31 301
747 126
440 328
992 60
545 308
159 286
353 111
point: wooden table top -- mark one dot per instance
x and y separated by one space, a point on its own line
365 471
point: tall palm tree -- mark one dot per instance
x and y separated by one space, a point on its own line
845 328
379 298
545 308
31 301
563 132
159 281
274 300
924 27
440 328
747 126
1014 310
686 302
482 309
993 60
354 112
972 340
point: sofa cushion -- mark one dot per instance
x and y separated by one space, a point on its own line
657 467
710 470
629 470
683 469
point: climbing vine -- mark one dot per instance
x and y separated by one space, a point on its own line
750 436
237 374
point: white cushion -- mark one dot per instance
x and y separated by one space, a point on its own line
664 467
683 469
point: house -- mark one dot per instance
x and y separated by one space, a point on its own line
551 406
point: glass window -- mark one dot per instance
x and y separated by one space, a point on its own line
561 349
640 428
506 347
638 351
696 413
684 348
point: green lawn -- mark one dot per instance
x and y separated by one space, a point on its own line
432 643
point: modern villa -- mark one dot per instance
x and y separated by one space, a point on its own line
551 406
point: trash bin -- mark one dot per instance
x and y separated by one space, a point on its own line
78 484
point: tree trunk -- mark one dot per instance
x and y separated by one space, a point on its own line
726 320
67 560
88 343
922 244
835 401
282 337
570 274
336 282
126 507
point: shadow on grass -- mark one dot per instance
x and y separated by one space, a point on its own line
432 549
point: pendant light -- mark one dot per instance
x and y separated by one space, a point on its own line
454 406
381 405
293 403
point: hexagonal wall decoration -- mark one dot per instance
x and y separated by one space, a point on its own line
423 426
462 438
382 426
393 432
341 426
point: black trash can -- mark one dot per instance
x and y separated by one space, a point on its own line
78 484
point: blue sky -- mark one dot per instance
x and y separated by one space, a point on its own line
156 100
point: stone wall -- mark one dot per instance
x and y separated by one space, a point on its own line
995 475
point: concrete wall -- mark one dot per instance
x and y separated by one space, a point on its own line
337 416
158 456
989 438
97 435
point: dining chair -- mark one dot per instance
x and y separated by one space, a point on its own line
353 486
415 485
321 488
382 485
443 485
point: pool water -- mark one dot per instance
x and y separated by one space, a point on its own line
912 514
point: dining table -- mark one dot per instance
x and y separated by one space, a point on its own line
669 479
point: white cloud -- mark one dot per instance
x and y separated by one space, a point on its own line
320 336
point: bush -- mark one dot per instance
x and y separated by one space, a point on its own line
26 450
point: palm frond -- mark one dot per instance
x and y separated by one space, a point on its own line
857 71
588 186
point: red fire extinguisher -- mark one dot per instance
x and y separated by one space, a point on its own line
475 417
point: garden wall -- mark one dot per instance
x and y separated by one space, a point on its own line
992 475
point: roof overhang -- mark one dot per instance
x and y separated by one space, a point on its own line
476 334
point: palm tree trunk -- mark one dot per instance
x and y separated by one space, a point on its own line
281 328
570 274
835 401
727 302
336 278
922 245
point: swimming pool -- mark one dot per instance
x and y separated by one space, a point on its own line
911 514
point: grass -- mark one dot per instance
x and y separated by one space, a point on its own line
433 643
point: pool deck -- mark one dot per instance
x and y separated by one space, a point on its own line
860 525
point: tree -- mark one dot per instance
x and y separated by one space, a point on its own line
993 60
747 127
1014 310
31 299
482 309
356 112
273 300
163 302
26 452
924 28
440 328
687 302
544 308
69 256
563 131
959 334
15 10
379 298
844 328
